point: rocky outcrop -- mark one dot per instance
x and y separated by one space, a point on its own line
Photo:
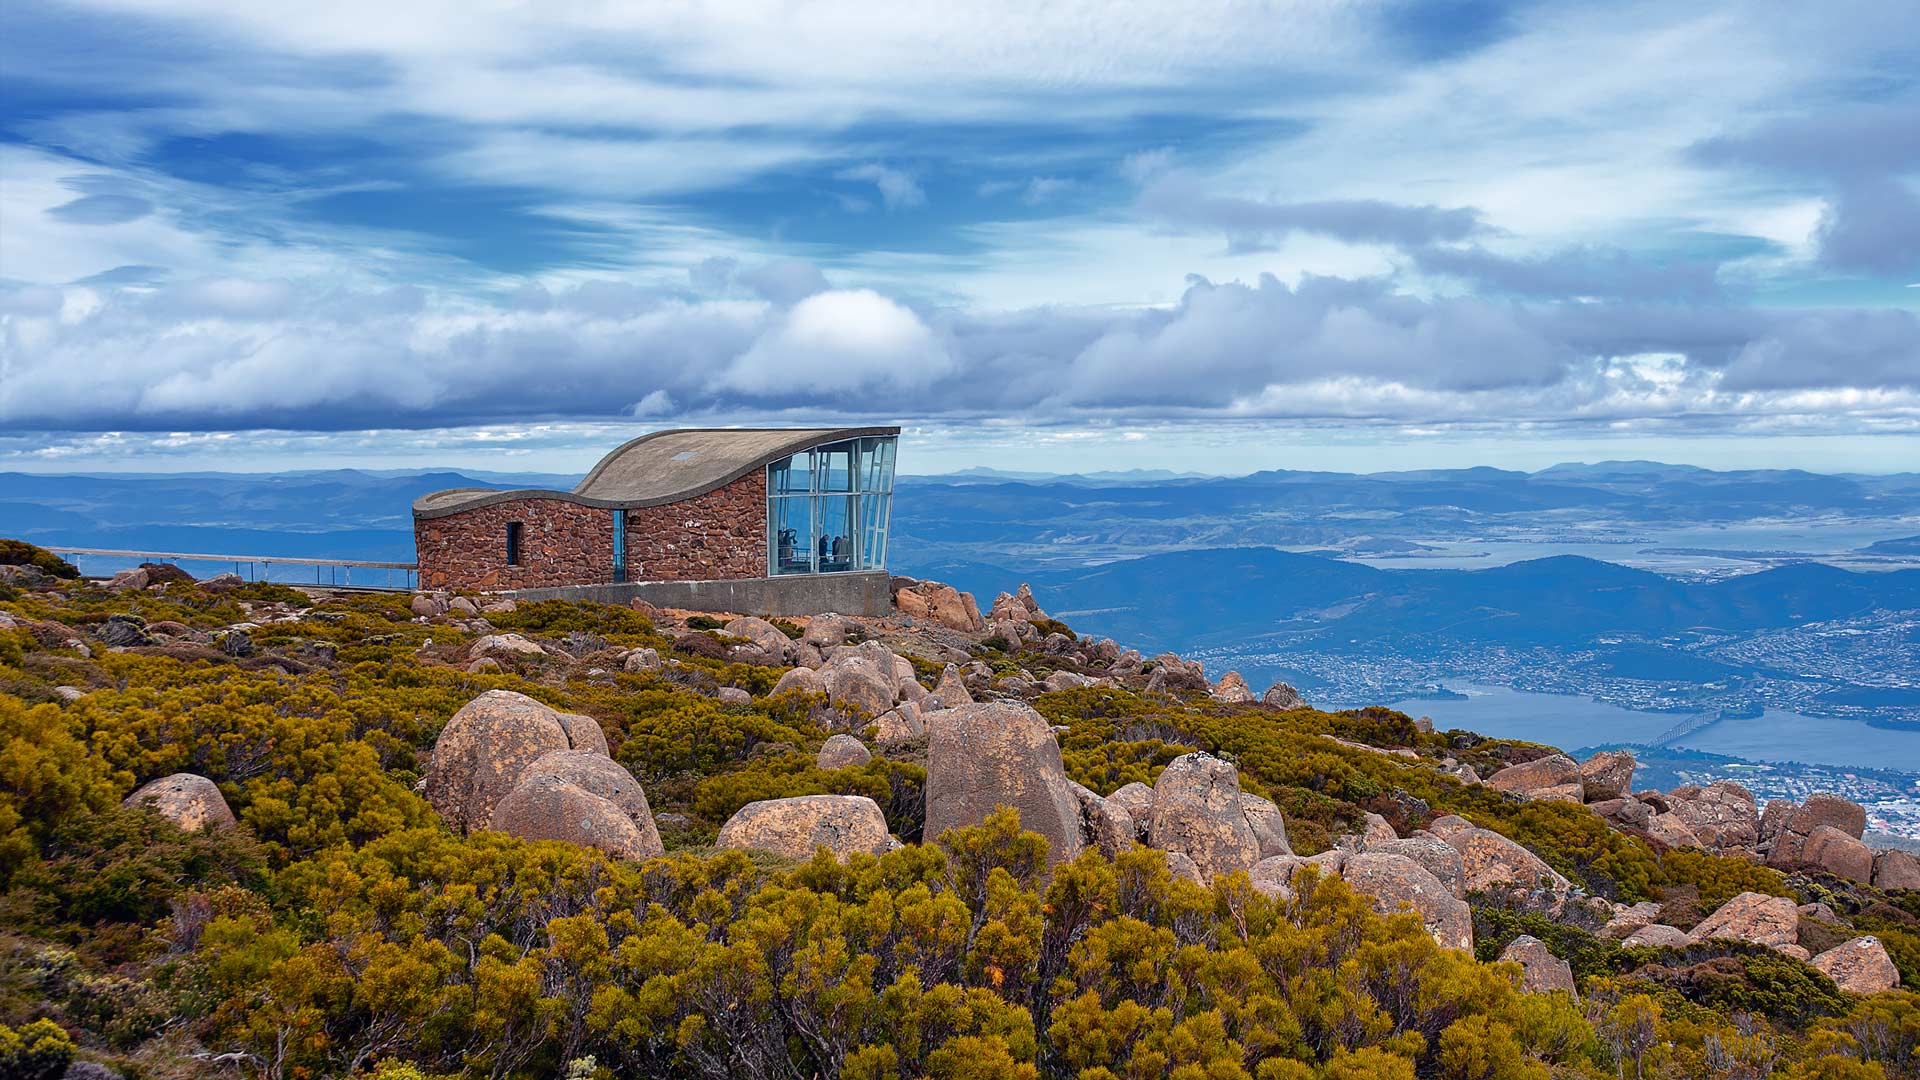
843 751
1628 813
800 680
546 807
1395 880
1105 824
1489 859
1894 869
1553 776
583 732
189 800
599 776
482 752
1628 919
951 690
940 604
1657 936
1670 830
1607 775
1722 815
1755 917
1860 966
1282 696
899 725
994 754
858 687
1233 690
794 828
1434 854
1136 799
1268 825
1837 853
1541 972
772 646
1197 811
1821 810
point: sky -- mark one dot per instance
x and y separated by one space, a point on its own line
1204 236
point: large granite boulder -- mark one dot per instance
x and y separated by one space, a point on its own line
1282 696
857 687
498 645
841 752
826 630
1104 824
794 828
482 752
1623 813
583 732
601 776
548 807
1395 880
1860 966
1657 936
1136 799
1233 690
189 800
1755 917
1543 777
951 690
1723 815
1268 825
941 604
773 645
1895 869
995 754
800 680
1629 918
1669 829
1773 820
1837 853
1489 859
1607 775
900 725
1434 854
1197 810
1541 972
1821 810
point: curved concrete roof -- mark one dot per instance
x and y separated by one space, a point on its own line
664 467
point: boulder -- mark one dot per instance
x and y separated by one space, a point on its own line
1624 813
803 680
1755 917
546 807
1670 830
1180 866
123 631
952 689
1434 854
857 687
1067 680
1626 920
641 660
1860 966
1895 869
733 695
995 754
1837 853
1534 777
1541 972
482 752
128 581
1282 696
1136 799
462 606
189 800
1103 824
1489 859
1268 825
505 645
794 828
1825 808
597 775
1376 829
843 751
899 725
1233 690
1274 876
826 630
1657 936
426 606
583 732
763 634
1607 775
1818 910
1395 880
1197 810
940 604
1723 815
1025 596
1773 819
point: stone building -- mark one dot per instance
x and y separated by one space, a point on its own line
766 521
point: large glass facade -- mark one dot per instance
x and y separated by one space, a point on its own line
828 508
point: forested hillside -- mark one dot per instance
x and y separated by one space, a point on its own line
371 886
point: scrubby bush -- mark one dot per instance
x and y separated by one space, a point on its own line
21 553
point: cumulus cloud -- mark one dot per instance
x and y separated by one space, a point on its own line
834 343
898 189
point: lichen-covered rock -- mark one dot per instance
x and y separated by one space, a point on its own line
843 751
1895 869
1268 825
1826 808
1607 775
1626 920
826 630
1376 829
1434 854
899 725
1755 917
547 807
1657 936
1837 853
941 604
1394 880
426 606
999 753
583 732
1197 810
1669 829
482 752
858 687
601 776
1860 966
1282 696
801 680
1104 824
1723 815
497 645
1773 819
1490 859
794 828
1136 799
952 689
1533 777
1233 690
1541 972
641 660
1623 813
765 636
189 800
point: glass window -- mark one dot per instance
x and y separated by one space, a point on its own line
791 528
834 540
828 510
833 467
619 546
793 476
513 543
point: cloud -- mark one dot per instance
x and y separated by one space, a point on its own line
102 210
833 343
898 190
1575 272
1872 225
1180 201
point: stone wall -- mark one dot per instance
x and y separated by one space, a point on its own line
561 543
721 535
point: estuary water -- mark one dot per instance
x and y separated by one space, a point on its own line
1570 722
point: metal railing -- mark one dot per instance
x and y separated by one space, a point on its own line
333 573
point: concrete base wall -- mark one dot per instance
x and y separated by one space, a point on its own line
864 594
